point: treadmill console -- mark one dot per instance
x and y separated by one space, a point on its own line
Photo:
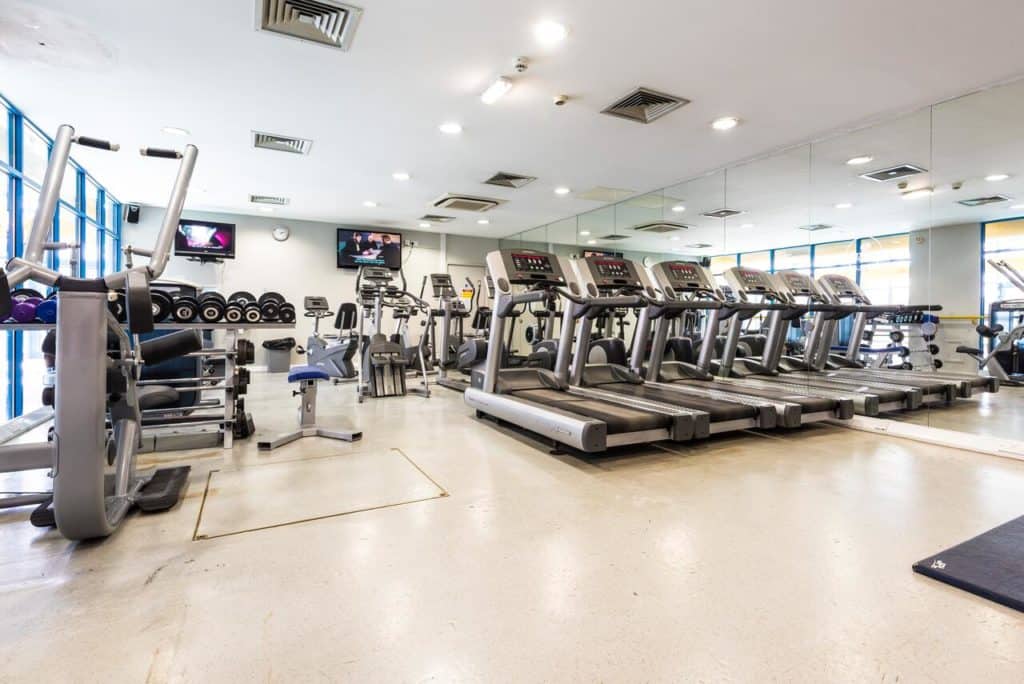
611 272
441 284
315 304
841 286
683 276
508 267
798 284
748 281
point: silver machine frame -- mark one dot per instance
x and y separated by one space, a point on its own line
77 456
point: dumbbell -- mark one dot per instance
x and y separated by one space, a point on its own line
242 297
234 312
47 309
896 336
25 302
185 309
286 314
252 313
245 352
163 305
937 364
270 305
211 307
933 349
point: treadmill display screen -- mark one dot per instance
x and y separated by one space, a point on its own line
611 268
797 282
841 284
752 280
686 273
532 263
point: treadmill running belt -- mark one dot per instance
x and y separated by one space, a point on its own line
619 418
720 411
807 404
988 565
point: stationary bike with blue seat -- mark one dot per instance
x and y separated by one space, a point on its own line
307 377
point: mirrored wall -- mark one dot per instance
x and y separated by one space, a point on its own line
924 210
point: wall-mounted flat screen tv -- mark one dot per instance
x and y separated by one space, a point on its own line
369 248
205 239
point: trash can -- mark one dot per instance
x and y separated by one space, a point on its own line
279 354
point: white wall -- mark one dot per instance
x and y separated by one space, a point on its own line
303 265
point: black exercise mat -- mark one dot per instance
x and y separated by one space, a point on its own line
991 565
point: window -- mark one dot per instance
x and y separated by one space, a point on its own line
32 371
885 268
67 223
110 247
91 251
5 135
109 213
5 217
35 152
835 254
720 264
69 186
92 199
759 260
1001 241
793 258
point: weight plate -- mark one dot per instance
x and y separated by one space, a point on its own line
937 363
210 312
163 304
896 336
933 349
242 297
253 313
233 313
271 297
213 296
26 293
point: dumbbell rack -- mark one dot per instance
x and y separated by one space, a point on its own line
231 331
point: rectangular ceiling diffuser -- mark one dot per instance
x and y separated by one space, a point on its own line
645 105
661 227
893 173
981 201
268 199
614 237
722 213
281 143
813 227
504 179
466 203
323 22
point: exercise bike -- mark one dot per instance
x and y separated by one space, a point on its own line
97 400
1002 356
335 359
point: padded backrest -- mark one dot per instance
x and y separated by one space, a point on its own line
346 318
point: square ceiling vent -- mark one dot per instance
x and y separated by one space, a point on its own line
504 179
437 218
814 227
281 143
645 105
893 173
700 245
269 199
324 22
614 237
982 201
661 227
722 213
466 203
603 194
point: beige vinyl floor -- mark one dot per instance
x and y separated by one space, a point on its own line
443 549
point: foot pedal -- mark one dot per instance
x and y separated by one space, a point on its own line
164 490
43 515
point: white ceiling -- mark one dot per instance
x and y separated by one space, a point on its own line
125 69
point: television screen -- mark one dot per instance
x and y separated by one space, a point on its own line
205 239
365 248
600 253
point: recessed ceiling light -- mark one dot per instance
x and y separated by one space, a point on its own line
401 176
844 205
858 161
747 225
369 203
451 128
562 191
591 242
496 90
587 232
550 32
996 177
674 238
267 210
918 194
679 208
424 225
725 123
483 222
175 131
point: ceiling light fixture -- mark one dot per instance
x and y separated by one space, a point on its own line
496 90
996 177
175 131
674 238
844 205
550 32
747 225
451 128
424 224
370 204
725 123
483 222
562 191
591 242
918 194
267 210
679 208
859 161
587 232
401 176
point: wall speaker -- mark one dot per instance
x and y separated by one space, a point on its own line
131 213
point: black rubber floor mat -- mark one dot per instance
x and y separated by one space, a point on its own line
991 565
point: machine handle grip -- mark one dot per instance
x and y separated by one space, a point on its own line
159 152
86 141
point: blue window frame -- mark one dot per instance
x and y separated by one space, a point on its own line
88 214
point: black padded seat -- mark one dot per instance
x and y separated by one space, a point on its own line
157 396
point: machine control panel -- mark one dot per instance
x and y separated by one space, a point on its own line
683 276
750 281
315 304
509 267
799 284
840 285
441 284
610 272
377 274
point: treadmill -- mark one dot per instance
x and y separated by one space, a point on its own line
684 281
610 282
537 400
840 289
748 283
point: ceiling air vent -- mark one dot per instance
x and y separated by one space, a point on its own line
661 227
437 218
981 201
700 245
614 238
281 143
645 105
812 227
722 213
466 203
268 199
603 194
509 180
893 173
324 22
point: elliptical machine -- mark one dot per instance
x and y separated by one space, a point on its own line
335 359
95 384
